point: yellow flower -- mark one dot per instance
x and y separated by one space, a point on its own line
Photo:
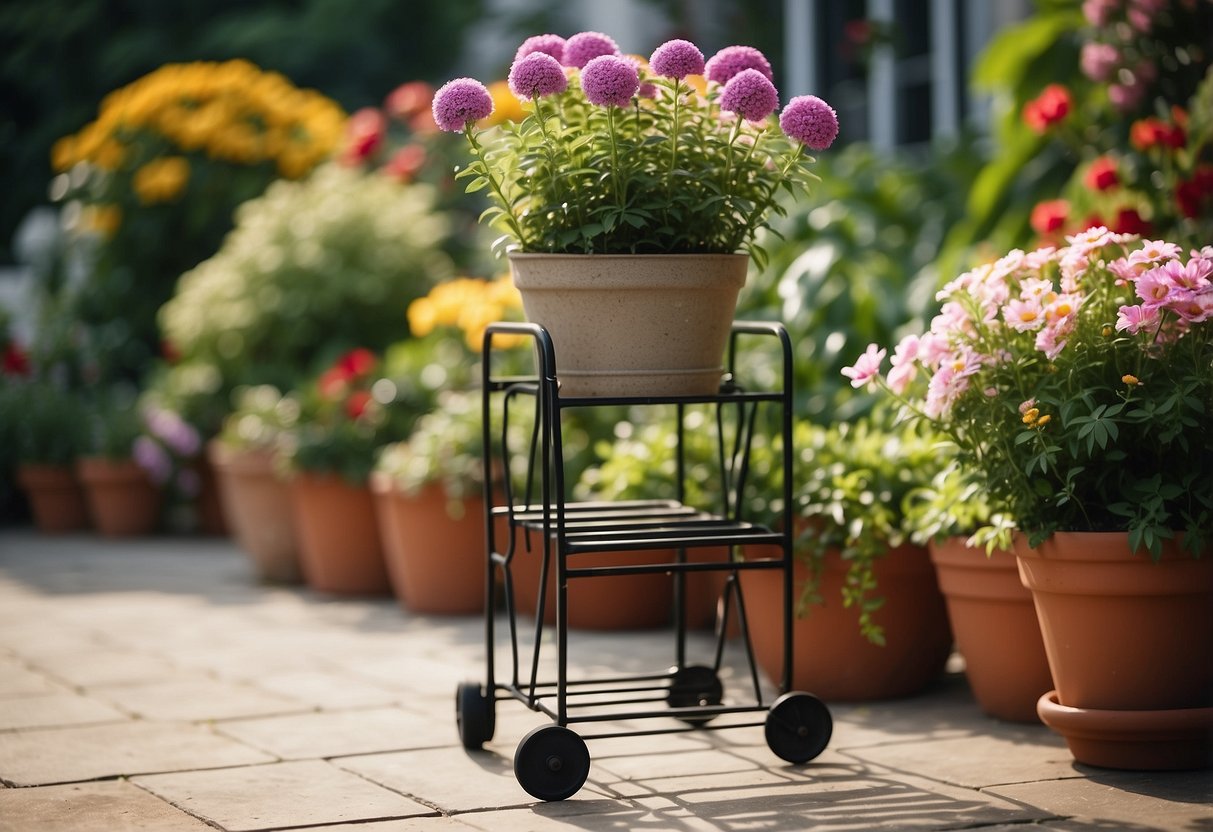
1031 415
161 180
421 317
1130 379
1043 420
506 106
102 219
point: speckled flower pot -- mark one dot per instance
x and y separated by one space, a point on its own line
633 325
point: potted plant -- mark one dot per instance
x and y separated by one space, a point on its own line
117 468
429 501
870 621
345 417
252 484
990 611
1074 382
48 436
635 272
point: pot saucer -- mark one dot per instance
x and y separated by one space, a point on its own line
1169 739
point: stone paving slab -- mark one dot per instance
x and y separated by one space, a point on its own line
1128 801
110 806
190 698
18 680
342 733
97 666
66 755
279 795
338 714
54 709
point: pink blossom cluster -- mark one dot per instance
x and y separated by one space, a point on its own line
1033 303
168 440
1104 61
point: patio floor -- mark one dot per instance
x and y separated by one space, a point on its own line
152 684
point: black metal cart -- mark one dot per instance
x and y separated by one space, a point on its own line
552 762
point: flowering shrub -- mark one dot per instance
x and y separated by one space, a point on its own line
155 178
1077 382
169 450
261 419
445 448
620 155
1110 123
345 415
311 267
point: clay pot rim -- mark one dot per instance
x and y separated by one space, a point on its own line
1110 725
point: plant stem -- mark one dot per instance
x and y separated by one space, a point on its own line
496 185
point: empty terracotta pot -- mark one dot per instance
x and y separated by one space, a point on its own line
122 500
55 497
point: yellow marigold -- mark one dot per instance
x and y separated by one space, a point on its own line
1130 379
506 106
64 154
421 317
161 180
102 219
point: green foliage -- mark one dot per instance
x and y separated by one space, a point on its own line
112 418
445 448
855 263
261 419
855 483
45 422
667 175
312 268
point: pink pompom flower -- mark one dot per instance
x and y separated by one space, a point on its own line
750 94
677 59
461 102
584 47
547 44
733 59
610 81
537 75
810 121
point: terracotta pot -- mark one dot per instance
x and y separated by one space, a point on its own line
339 545
208 505
831 659
609 602
633 325
994 623
436 562
1124 633
703 589
55 497
121 498
257 505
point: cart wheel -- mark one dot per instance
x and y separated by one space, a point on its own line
551 763
693 686
798 727
474 715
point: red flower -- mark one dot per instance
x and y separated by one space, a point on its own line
357 403
409 99
357 363
405 163
1194 196
1049 216
15 361
1050 107
1102 174
1152 132
1128 221
364 134
333 383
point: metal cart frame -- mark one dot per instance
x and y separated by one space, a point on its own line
552 761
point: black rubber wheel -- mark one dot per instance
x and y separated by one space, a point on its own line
798 727
693 686
474 715
551 763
